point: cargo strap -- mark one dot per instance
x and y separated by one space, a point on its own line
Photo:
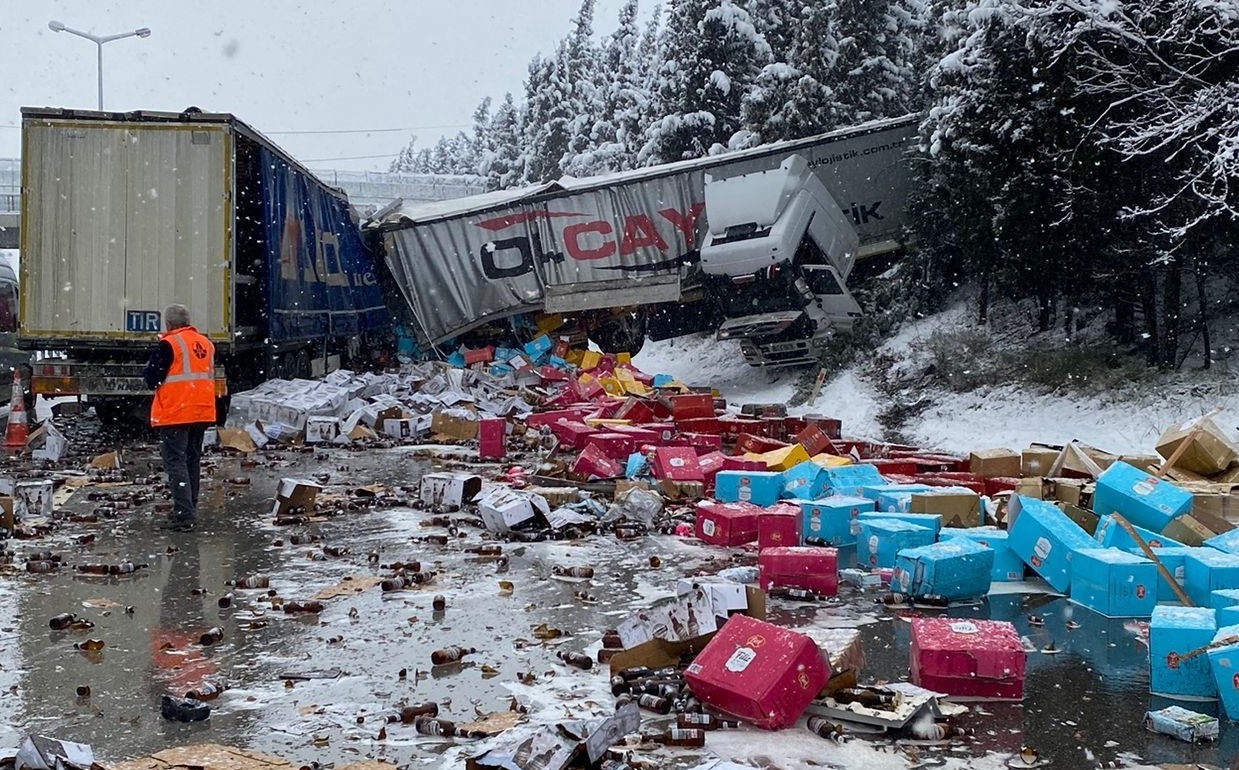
1196 653
1151 556
185 374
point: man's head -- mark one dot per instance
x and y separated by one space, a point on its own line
175 316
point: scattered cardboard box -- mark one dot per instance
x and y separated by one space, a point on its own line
295 493
1208 451
994 463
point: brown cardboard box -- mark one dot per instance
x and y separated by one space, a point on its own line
1087 520
1228 476
1035 487
1209 451
293 493
1188 531
957 509
458 428
1037 460
993 463
1147 463
1068 490
1103 459
660 653
1075 462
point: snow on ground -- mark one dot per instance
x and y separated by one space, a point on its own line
1125 421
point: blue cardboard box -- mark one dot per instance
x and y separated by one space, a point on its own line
1115 583
1227 541
1228 616
881 539
757 487
892 498
930 521
1045 539
1141 498
1206 570
832 518
1172 558
538 347
1111 535
956 568
848 480
1226 597
1224 662
1174 632
1007 566
804 481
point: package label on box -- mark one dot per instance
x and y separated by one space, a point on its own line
833 520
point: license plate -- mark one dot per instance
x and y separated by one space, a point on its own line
783 347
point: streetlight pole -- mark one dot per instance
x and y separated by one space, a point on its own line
98 40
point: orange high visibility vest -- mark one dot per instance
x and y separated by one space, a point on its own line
187 395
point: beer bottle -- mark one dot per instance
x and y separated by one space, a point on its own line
866 697
453 654
62 621
405 566
411 713
308 606
225 601
677 736
620 685
336 551
485 550
206 691
397 583
654 703
576 659
611 640
932 600
574 572
434 726
420 577
252 581
703 721
795 594
636 672
825 728
211 636
439 603
894 598
820 542
92 569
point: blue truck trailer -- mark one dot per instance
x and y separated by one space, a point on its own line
124 213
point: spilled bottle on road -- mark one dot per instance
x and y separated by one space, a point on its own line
434 726
678 736
445 655
211 636
576 659
306 606
574 572
409 714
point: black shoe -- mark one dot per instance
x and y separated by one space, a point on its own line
184 709
179 523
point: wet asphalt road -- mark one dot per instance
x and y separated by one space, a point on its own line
1083 705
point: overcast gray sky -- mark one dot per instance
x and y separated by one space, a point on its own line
420 66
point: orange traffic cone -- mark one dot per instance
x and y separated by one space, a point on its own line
18 431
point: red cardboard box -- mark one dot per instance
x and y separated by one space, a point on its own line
704 443
731 463
889 467
1001 484
702 425
573 434
975 483
779 526
815 569
748 442
593 463
726 524
551 374
665 432
830 426
590 391
480 356
691 406
710 465
636 410
617 446
736 426
491 435
814 440
677 464
774 427
606 408
758 672
547 418
641 435
968 658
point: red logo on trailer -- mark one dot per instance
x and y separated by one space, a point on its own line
1140 592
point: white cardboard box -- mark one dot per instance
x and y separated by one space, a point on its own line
32 499
503 508
293 492
449 490
321 430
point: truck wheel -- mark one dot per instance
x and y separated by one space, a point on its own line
624 333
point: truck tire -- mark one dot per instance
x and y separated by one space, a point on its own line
623 333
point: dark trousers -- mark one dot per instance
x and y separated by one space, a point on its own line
180 446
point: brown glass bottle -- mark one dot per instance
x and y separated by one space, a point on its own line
225 601
825 728
611 640
206 691
865 697
92 569
678 736
654 703
576 659
702 721
252 581
453 654
211 636
307 606
434 726
62 621
485 550
397 583
42 565
574 572
412 712
439 603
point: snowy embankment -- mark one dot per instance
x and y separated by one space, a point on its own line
1127 421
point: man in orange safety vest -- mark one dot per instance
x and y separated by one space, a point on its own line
181 370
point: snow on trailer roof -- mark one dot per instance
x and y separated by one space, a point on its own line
190 115
423 213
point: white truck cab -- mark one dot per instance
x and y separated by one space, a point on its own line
777 256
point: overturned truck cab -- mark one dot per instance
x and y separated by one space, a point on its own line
756 244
